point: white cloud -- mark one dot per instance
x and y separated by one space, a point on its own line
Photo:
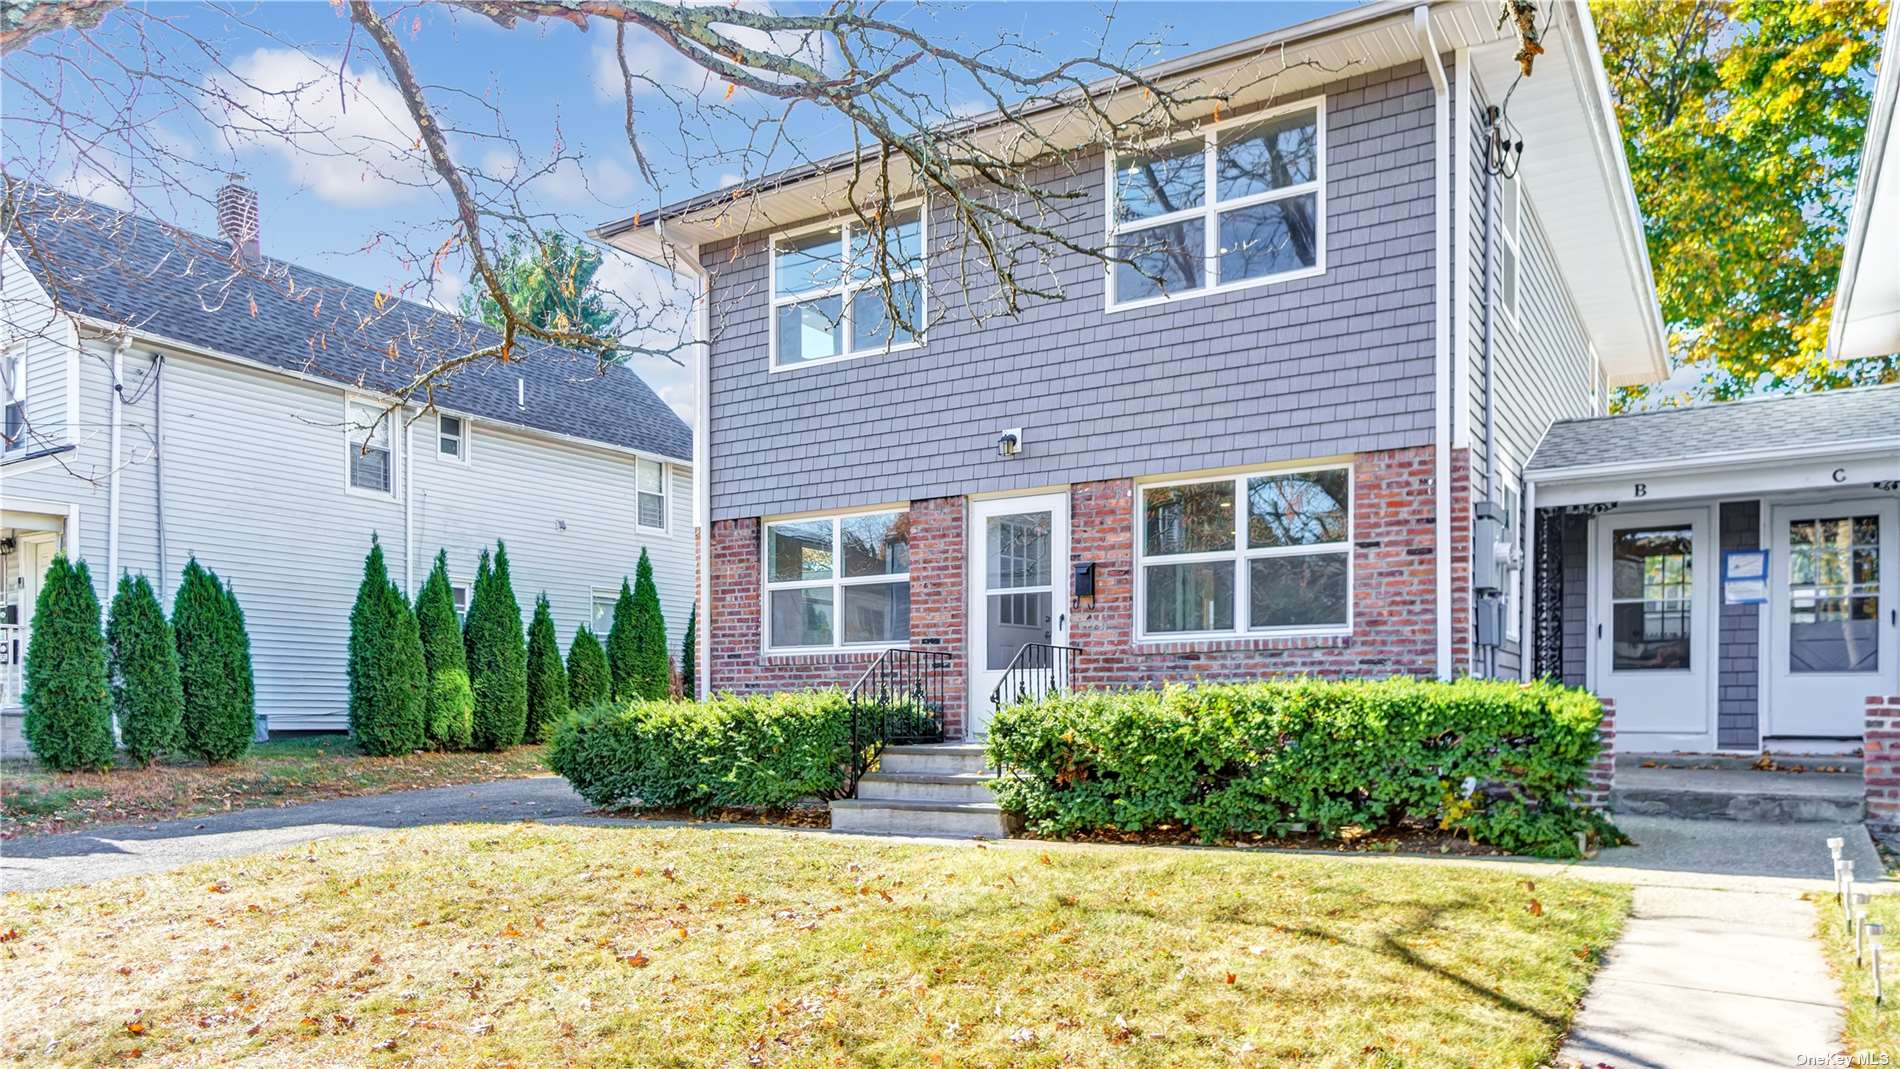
94 179
349 139
678 393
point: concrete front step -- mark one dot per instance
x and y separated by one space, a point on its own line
1739 794
933 758
926 786
1849 764
892 816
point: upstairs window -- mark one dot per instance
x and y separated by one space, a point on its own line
838 581
13 391
451 437
367 446
1247 554
1510 228
828 299
650 492
1240 204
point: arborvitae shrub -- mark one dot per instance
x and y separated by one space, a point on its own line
497 657
620 644
214 667
589 681
68 702
689 656
547 678
388 680
447 713
146 694
652 667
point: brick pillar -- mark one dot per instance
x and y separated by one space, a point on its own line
1602 776
938 598
1880 770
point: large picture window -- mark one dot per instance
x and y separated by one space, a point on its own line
1239 204
837 582
1268 552
828 299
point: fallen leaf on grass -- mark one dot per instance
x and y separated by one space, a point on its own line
1536 908
638 959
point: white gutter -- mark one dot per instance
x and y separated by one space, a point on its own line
1527 585
702 449
1461 159
1739 458
409 505
1441 343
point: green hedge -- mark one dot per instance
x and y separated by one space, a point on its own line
763 751
1500 761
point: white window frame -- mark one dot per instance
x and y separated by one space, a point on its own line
14 393
610 595
1210 209
350 445
1511 230
835 584
467 587
1241 554
666 499
846 288
463 438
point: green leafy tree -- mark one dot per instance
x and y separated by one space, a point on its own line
448 712
547 677
589 680
388 676
68 723
146 694
214 667
497 657
552 286
689 656
1743 122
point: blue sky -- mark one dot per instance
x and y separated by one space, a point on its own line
557 89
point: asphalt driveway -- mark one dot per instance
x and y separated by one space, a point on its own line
40 862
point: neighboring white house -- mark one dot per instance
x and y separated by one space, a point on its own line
162 403
1867 302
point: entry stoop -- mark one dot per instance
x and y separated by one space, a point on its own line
939 789
1728 789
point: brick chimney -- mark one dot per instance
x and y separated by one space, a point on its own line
237 218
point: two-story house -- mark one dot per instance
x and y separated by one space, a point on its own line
1234 466
1304 440
174 395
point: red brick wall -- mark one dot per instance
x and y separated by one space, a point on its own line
1880 771
1603 769
738 661
1392 590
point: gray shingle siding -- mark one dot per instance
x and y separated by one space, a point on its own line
1738 653
1332 364
1576 603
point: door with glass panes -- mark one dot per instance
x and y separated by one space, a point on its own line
1019 590
1832 629
1653 626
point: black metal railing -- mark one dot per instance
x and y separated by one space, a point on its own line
900 698
1037 671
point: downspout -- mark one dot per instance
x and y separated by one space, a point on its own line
112 478
408 505
1490 408
1441 343
1527 586
158 466
702 451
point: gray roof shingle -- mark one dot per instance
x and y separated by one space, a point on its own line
1803 420
129 270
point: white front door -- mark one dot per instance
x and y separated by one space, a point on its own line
1653 631
1019 588
1831 624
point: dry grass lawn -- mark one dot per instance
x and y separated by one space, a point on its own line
1874 1029
535 945
34 801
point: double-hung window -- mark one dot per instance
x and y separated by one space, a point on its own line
828 294
1239 204
451 437
367 445
837 582
458 597
1510 228
13 392
650 493
1269 552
